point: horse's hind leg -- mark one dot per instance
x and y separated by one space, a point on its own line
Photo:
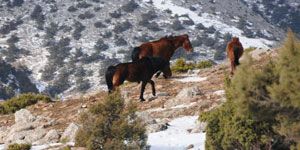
232 67
142 90
153 87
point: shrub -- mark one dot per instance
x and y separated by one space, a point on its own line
83 4
120 41
115 14
150 15
205 64
96 9
106 34
86 15
188 22
182 66
99 24
38 16
13 39
21 101
130 6
119 28
19 147
72 9
78 29
109 123
177 25
51 30
10 26
100 45
211 30
200 26
262 109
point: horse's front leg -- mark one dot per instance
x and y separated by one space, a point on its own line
157 74
142 90
153 87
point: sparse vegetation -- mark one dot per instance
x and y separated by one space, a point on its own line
182 66
119 28
19 147
86 15
130 6
109 123
21 101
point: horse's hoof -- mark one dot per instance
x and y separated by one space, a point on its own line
142 99
154 94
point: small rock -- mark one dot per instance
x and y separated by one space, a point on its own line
190 146
189 92
83 106
200 127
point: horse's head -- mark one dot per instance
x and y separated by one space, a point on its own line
235 39
186 44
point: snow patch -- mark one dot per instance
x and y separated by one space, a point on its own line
176 137
192 79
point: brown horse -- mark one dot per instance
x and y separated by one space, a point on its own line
165 48
234 52
140 70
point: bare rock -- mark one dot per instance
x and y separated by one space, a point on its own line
70 133
51 137
184 97
190 146
24 116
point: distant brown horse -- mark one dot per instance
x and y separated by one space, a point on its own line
140 70
165 48
234 52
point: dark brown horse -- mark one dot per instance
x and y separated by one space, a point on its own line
165 48
234 51
140 70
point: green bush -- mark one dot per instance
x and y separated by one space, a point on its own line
204 64
18 102
111 125
19 147
182 66
262 108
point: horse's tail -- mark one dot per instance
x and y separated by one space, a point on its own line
109 77
135 54
236 55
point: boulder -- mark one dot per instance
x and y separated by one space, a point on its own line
24 116
70 133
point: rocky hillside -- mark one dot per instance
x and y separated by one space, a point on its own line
173 112
66 45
